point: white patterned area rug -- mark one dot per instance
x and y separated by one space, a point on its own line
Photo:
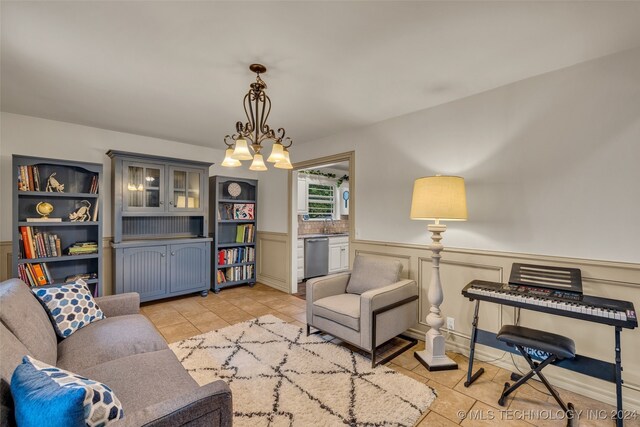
281 377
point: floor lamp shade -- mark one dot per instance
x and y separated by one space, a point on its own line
439 198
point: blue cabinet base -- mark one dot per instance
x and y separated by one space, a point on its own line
163 268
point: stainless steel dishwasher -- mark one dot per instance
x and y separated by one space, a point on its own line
316 257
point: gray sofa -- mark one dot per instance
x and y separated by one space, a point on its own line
123 351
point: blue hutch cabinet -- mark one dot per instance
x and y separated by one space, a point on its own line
160 222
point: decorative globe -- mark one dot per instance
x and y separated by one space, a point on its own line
44 209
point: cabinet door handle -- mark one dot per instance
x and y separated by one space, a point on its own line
171 203
173 253
162 255
161 203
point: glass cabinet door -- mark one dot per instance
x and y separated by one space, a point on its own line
143 187
185 189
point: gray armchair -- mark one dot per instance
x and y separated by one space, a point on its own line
365 307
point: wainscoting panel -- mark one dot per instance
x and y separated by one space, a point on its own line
459 266
5 260
273 260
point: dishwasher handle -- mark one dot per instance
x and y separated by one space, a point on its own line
322 239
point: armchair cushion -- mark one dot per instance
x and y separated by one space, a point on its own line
343 309
371 273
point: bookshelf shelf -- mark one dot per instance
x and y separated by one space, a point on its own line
57 258
237 264
55 195
234 245
58 224
237 201
81 181
232 224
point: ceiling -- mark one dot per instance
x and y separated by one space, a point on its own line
179 70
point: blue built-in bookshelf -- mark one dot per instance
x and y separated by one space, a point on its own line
232 224
41 246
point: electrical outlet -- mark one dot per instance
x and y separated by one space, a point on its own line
451 324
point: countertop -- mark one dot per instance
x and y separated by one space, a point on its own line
309 236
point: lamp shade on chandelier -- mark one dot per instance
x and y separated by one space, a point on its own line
250 135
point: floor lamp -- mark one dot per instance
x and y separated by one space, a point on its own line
438 198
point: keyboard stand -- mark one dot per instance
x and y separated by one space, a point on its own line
610 372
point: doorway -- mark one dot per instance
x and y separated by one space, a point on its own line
321 218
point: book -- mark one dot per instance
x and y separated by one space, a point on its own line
25 241
43 219
31 181
240 234
36 178
47 273
243 211
95 211
40 277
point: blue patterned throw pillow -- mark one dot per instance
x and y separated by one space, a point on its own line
70 306
48 396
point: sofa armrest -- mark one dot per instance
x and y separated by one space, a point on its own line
394 321
325 286
119 305
209 405
386 295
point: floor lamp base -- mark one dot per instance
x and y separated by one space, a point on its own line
435 363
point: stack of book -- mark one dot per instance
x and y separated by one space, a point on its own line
35 274
28 178
83 248
37 244
93 188
220 277
234 274
245 233
236 255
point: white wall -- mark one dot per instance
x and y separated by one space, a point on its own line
47 138
550 163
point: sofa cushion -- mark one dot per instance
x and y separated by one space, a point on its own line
11 353
108 339
43 393
372 273
70 306
343 309
25 318
142 380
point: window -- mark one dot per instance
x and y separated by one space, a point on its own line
321 201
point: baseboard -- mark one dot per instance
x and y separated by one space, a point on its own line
594 389
273 283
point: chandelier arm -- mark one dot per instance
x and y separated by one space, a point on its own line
248 111
266 110
232 139
284 141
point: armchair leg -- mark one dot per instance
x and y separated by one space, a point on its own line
308 329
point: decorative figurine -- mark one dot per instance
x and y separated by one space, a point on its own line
44 209
82 213
53 184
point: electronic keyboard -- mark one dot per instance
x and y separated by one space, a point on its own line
560 302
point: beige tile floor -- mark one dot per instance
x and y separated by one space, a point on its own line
180 318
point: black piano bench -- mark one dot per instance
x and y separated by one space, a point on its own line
545 346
